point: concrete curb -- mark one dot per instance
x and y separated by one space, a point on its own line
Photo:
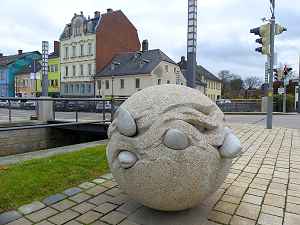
259 113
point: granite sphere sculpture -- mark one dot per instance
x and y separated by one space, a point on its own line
169 148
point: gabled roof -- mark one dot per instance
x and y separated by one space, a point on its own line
28 69
6 60
208 75
134 63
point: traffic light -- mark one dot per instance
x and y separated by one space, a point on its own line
264 32
287 70
276 75
279 29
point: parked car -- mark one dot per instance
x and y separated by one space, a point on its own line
15 104
107 107
30 105
3 103
223 101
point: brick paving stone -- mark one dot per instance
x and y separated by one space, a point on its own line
252 199
114 192
96 190
73 222
294 193
129 207
292 199
257 192
89 217
21 221
266 219
42 214
248 210
280 192
268 209
237 220
44 223
107 176
30 208
99 181
109 184
100 199
127 222
63 217
236 191
83 207
219 217
274 200
231 199
72 191
113 217
105 208
54 199
63 205
81 197
292 208
291 219
226 207
120 199
9 217
86 185
99 223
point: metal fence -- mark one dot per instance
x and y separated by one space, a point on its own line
241 105
70 110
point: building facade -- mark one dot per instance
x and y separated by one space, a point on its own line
131 72
12 65
88 44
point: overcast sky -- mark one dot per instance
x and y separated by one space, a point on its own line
224 41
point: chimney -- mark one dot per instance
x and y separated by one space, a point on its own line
97 14
1 55
110 10
182 59
56 47
145 46
20 52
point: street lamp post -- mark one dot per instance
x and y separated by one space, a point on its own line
298 107
270 89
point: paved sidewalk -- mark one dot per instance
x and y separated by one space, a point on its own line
263 188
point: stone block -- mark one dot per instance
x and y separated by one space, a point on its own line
30 208
63 217
113 218
42 214
54 199
9 217
72 191
89 217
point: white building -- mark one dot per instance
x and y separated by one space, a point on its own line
130 72
78 56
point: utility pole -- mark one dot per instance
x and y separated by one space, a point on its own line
270 89
192 43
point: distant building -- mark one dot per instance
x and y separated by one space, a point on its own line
10 66
29 85
130 72
206 82
86 39
213 84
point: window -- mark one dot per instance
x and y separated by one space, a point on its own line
66 52
82 88
107 84
122 83
77 88
66 88
99 84
81 69
55 68
81 50
137 83
159 81
89 88
167 68
90 49
71 88
1 75
74 51
175 70
168 82
48 68
74 70
67 71
55 83
90 69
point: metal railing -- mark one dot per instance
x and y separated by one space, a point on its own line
241 105
74 106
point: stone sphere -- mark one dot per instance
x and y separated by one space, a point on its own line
169 148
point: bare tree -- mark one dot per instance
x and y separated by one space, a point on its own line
252 82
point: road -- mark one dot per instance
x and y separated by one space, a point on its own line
288 121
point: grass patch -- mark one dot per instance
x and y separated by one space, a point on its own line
36 179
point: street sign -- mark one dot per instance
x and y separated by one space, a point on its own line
280 91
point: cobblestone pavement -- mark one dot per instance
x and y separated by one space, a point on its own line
263 188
